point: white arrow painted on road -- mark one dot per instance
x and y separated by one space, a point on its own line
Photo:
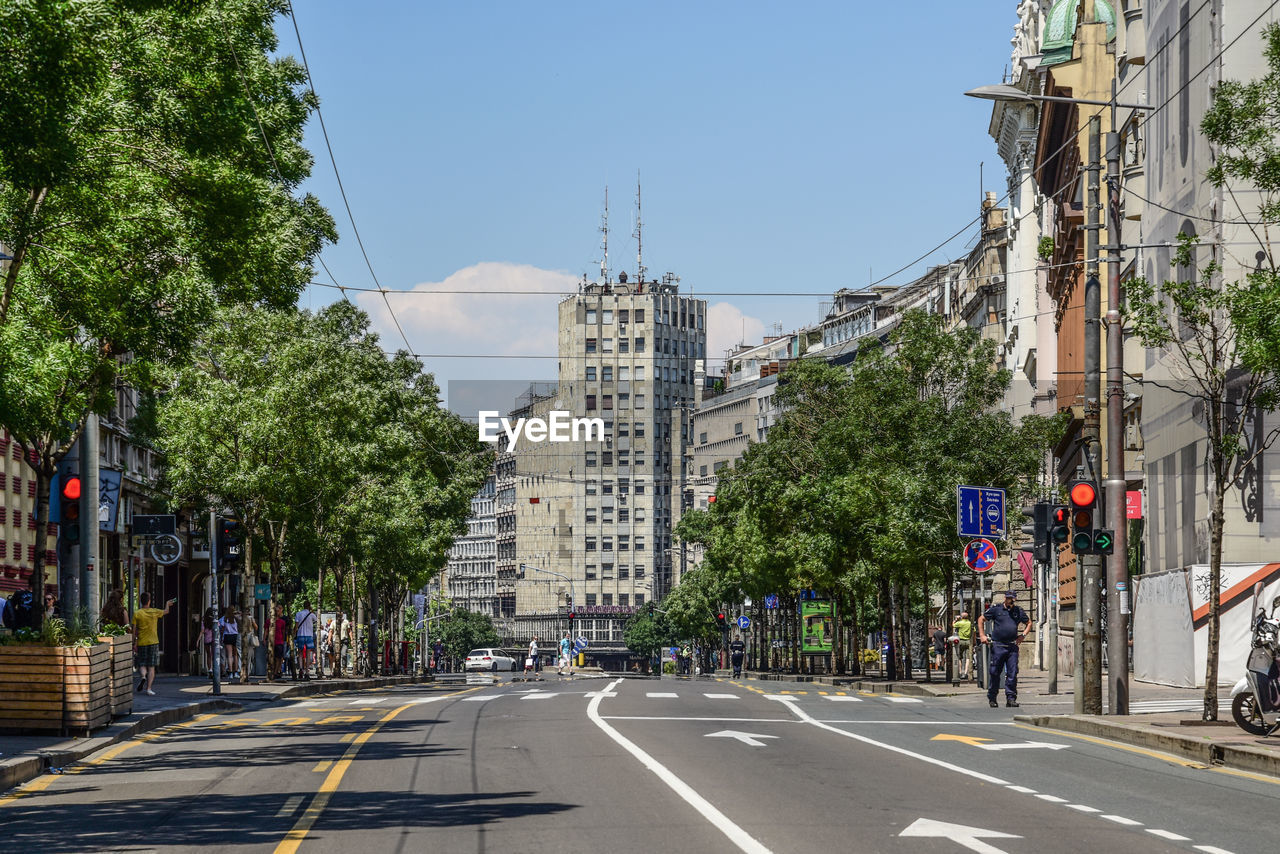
744 737
978 741
962 834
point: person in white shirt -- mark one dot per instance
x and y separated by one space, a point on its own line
304 637
531 663
230 625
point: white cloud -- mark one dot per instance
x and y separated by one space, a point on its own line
727 327
471 311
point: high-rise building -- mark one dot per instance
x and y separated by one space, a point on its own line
471 575
595 516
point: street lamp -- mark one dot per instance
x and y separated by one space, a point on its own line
1116 483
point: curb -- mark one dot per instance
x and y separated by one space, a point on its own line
1240 757
15 772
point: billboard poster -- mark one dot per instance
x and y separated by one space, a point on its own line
818 626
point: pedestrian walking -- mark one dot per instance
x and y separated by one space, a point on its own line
278 631
304 638
344 643
230 627
147 637
531 662
1004 626
737 650
113 612
964 633
939 638
438 651
566 650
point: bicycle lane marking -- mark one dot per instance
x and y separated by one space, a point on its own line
719 820
293 839
45 780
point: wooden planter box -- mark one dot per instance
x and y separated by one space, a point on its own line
55 687
121 690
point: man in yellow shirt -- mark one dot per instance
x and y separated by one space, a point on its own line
147 638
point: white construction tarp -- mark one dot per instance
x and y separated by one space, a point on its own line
1171 622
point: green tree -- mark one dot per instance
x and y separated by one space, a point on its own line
150 155
647 632
465 631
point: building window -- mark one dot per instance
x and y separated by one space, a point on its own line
607 373
623 315
608 515
624 458
608 458
624 514
639 401
591 374
639 373
608 488
639 430
591 315
591 514
702 471
624 429
608 402
702 438
639 491
607 544
639 315
639 346
591 402
591 571
737 429
591 487
606 571
591 598
591 459
624 542
622 599
591 345
606 315
624 345
639 543
639 570
624 400
608 345
624 373
591 544
606 598
639 599
624 486
624 571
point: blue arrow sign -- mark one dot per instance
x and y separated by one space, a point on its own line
744 622
979 511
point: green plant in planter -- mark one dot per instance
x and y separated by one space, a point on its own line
114 630
1044 249
56 631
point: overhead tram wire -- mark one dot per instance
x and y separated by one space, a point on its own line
302 51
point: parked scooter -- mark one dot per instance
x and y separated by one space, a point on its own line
1255 699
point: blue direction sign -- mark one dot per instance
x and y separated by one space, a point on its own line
979 511
980 555
771 601
744 622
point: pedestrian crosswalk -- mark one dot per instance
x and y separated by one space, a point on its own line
546 694
1186 704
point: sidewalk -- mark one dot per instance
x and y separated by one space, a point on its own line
1163 718
177 698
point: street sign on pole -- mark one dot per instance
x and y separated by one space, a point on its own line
744 622
980 555
979 511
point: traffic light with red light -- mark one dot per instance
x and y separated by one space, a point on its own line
1059 525
722 621
1083 495
69 491
229 536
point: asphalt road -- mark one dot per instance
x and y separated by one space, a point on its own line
673 765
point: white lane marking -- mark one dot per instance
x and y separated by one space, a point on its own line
845 699
1119 819
748 738
1082 808
539 696
372 702
1209 849
662 694
963 834
1022 789
422 700
925 723
790 703
601 694
1167 834
736 834
721 696
290 806
903 700
680 718
1053 799
479 699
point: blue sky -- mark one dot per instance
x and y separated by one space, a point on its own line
798 148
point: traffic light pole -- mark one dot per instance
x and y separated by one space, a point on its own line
1088 593
1117 482
217 626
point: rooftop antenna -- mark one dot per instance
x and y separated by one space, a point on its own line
604 229
640 268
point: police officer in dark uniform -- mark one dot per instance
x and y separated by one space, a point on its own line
1004 626
736 651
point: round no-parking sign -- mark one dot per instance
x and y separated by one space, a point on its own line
980 555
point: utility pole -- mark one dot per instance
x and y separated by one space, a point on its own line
217 625
1088 593
90 498
1117 482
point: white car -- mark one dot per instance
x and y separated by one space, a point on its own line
489 659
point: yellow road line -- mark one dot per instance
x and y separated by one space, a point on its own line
44 781
333 779
1248 775
323 765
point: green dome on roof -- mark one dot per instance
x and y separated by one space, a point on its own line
1060 28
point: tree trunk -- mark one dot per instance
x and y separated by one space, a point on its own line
1216 520
948 578
856 669
889 628
928 670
